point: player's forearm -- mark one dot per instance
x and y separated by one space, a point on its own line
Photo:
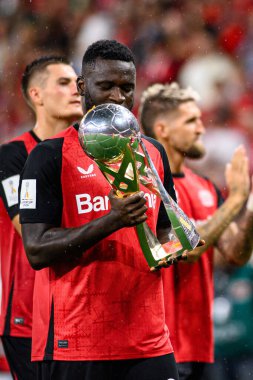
237 247
46 245
220 220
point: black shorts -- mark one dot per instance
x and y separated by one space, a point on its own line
191 370
157 368
18 354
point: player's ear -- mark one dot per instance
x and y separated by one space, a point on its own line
80 85
160 130
35 95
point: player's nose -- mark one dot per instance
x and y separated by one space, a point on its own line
200 127
74 89
116 96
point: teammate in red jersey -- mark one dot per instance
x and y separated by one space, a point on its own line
172 116
98 309
49 87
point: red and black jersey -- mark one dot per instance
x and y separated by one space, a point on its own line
17 277
107 305
188 288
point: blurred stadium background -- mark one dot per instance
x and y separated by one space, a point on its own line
206 44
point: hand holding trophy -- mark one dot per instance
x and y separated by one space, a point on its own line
110 135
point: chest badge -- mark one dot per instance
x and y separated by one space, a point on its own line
206 198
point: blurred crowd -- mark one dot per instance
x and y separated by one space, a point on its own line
205 44
202 43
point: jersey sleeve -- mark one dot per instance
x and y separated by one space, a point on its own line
12 160
40 186
163 219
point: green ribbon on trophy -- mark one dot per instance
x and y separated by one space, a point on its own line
110 134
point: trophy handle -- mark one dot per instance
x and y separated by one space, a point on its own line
181 224
152 249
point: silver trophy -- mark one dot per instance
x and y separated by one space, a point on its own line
110 135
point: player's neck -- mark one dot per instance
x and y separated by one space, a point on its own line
46 128
176 160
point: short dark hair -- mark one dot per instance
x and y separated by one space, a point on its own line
36 66
162 99
107 49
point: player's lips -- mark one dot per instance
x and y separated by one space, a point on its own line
76 102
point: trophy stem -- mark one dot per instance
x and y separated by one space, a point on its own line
151 247
181 224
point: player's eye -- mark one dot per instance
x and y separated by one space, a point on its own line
105 86
127 88
63 82
192 120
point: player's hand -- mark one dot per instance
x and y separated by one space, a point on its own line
237 175
166 263
187 256
130 210
194 255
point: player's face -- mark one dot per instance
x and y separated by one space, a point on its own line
186 130
59 93
108 81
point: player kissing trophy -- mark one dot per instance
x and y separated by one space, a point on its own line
110 135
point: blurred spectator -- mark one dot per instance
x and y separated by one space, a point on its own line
212 73
233 321
96 25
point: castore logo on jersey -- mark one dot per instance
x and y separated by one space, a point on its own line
88 172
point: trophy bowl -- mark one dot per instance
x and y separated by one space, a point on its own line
106 130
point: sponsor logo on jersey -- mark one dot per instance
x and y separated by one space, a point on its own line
28 194
88 172
10 186
206 198
85 203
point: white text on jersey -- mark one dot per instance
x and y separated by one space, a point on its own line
87 204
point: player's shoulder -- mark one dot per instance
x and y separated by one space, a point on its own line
56 142
46 150
154 143
69 132
201 178
191 173
17 145
49 149
12 150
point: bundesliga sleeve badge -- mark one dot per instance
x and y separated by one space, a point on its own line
28 194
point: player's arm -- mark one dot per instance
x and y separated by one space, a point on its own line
44 241
238 183
12 159
236 243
